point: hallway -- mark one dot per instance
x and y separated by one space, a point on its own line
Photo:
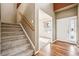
59 48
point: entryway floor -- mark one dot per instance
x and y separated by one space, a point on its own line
59 48
43 42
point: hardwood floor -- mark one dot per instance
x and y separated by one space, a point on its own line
59 48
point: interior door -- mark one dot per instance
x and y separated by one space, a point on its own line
45 29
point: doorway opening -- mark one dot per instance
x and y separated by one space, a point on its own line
45 29
66 29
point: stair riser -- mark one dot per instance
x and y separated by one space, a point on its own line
10 25
13 45
11 34
9 39
5 26
13 41
10 30
24 53
15 50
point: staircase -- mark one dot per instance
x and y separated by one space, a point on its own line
13 41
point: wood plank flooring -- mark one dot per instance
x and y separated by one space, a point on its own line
59 48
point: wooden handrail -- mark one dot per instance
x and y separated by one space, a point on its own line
27 22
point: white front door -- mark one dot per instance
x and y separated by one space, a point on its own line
72 29
66 29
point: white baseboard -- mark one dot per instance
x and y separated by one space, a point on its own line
67 42
37 52
53 41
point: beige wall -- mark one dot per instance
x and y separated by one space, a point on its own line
46 7
28 10
0 11
21 9
8 12
0 29
78 28
66 13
